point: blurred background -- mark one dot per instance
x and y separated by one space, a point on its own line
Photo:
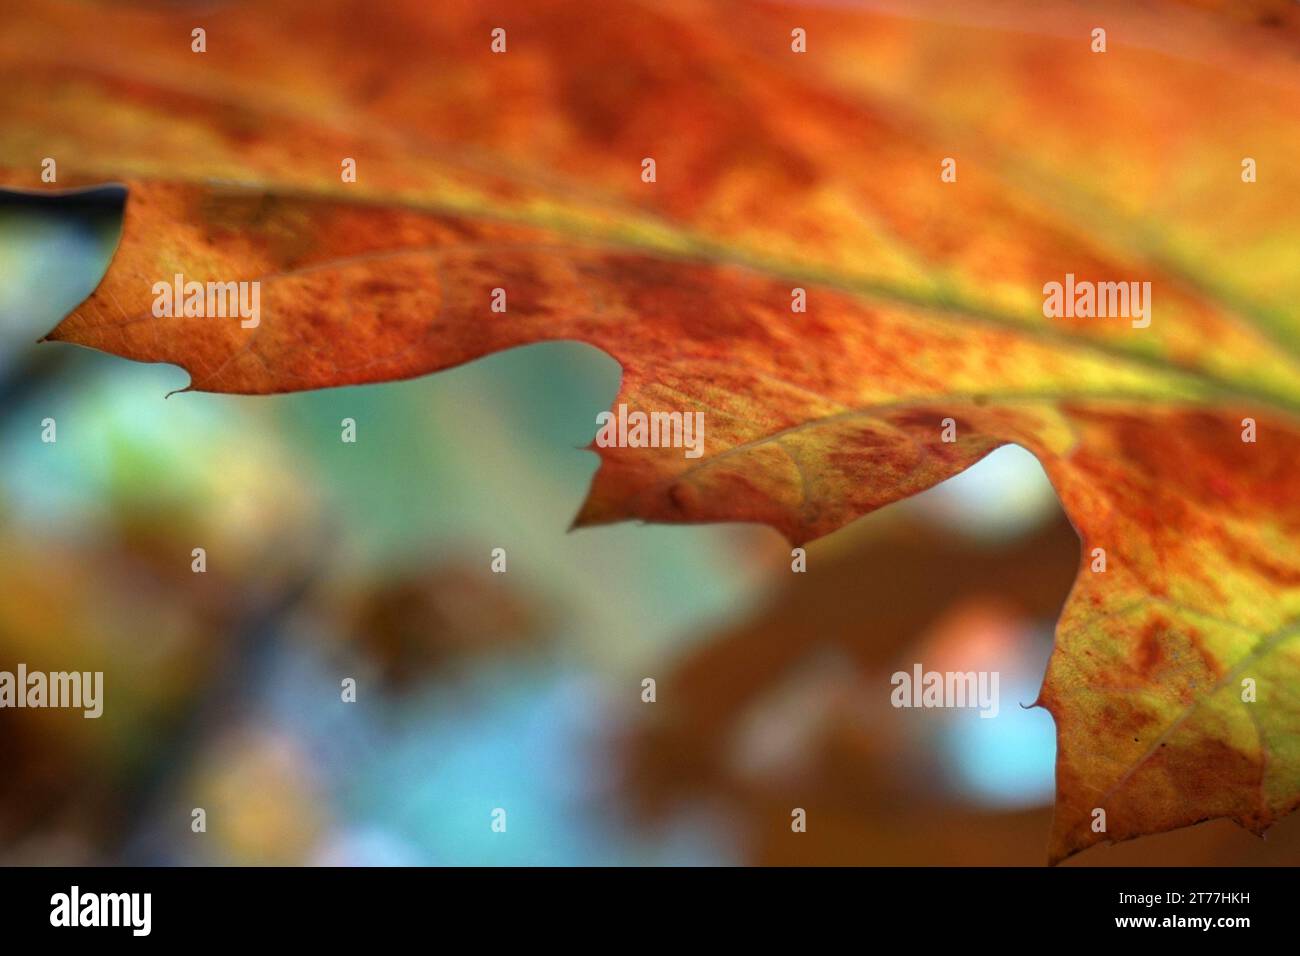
478 691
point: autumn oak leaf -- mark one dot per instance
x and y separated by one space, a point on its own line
912 181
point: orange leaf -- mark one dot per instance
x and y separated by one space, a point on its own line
775 171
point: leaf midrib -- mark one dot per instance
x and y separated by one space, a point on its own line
695 249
